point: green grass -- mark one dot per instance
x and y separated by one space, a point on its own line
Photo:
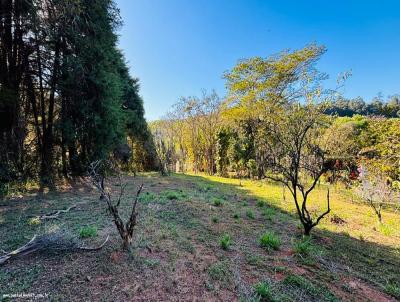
300 282
250 214
217 202
393 290
225 242
263 291
88 231
303 246
147 197
21 279
260 203
219 271
270 241
172 195
313 289
172 236
253 259
269 213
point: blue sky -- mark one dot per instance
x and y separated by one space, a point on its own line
178 47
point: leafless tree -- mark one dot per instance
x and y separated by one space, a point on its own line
296 157
97 176
375 191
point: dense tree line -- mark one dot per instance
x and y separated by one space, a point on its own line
279 122
66 96
389 108
234 134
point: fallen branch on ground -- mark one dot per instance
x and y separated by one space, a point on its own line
57 241
54 215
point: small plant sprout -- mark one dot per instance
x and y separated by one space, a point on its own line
263 291
270 241
88 231
226 242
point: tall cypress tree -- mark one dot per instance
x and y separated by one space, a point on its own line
66 96
93 117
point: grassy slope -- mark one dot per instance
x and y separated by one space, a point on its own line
178 254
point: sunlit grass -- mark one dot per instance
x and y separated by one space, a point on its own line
360 221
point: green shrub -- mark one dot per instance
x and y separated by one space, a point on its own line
250 214
215 219
88 231
263 290
225 242
270 241
236 216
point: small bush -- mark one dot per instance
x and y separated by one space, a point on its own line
263 290
217 202
215 219
303 247
270 241
88 231
226 242
236 216
250 214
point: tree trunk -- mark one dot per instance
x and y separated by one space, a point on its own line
307 229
